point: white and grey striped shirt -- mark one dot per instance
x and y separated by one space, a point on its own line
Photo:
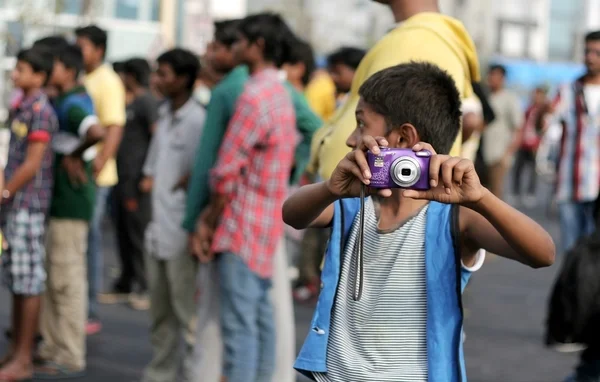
382 337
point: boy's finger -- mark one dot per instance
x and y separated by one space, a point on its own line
424 146
361 161
381 141
446 171
386 192
434 170
414 194
370 143
459 171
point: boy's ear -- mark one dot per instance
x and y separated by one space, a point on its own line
260 43
404 136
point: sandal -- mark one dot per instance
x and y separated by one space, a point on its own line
54 371
5 377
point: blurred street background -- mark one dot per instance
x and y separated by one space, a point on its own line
537 42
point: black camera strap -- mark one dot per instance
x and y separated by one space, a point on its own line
358 248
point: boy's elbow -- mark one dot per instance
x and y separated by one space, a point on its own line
96 134
548 256
288 216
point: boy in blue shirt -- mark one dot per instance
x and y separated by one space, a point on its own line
390 308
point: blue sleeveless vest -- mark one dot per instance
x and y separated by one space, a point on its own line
446 280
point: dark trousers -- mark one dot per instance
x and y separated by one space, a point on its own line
131 227
524 162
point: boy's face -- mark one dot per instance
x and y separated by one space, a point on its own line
245 52
495 79
221 57
592 57
294 72
369 122
168 82
25 78
92 55
60 74
342 75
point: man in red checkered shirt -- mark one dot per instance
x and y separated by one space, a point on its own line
249 185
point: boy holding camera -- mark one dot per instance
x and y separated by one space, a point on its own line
419 247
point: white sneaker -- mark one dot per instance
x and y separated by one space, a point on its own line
568 348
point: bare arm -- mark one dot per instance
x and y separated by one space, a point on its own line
310 206
27 170
497 227
112 140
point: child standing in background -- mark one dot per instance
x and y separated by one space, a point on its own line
25 202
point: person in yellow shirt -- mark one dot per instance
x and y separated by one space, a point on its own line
108 93
321 94
423 34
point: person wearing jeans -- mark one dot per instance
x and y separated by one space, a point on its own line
95 263
577 109
249 183
108 93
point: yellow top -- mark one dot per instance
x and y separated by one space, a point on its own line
320 94
108 93
430 37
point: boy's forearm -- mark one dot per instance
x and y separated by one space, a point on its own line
112 140
302 208
23 175
531 243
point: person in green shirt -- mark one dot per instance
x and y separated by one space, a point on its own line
65 301
220 110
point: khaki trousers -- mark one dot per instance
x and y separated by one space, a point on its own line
496 176
64 305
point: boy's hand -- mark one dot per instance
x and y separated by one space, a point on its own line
453 180
131 204
201 240
353 171
75 170
98 165
146 184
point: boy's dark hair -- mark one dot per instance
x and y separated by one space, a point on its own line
348 56
139 69
71 57
118 66
96 35
273 30
301 52
40 60
51 42
498 67
183 62
418 93
226 31
592 36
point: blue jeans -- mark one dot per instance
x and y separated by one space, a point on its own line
576 221
95 261
247 322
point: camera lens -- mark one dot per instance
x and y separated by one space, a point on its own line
405 171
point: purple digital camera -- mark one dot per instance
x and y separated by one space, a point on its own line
399 168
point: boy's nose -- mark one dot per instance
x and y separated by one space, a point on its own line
352 140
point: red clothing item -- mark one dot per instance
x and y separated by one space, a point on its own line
531 138
253 170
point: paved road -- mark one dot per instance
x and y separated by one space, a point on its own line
505 307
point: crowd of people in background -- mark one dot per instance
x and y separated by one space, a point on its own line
191 159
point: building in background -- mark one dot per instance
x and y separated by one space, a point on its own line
536 30
134 28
